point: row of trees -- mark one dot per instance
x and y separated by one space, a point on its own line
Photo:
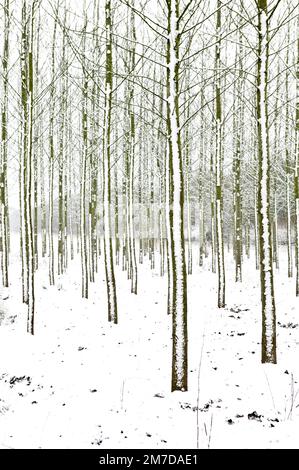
151 126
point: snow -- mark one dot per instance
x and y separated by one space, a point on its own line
82 382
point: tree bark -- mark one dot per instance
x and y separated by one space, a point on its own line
108 246
218 165
264 226
176 216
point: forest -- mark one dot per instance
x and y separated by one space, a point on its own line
149 223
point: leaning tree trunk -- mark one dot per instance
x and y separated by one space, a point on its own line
264 226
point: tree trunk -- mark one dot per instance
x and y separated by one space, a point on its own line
83 224
263 203
297 166
108 246
4 218
27 157
218 164
177 241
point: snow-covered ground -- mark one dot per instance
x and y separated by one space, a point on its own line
81 382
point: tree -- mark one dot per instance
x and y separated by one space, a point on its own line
52 155
27 85
218 164
4 216
84 161
264 226
108 248
296 179
176 190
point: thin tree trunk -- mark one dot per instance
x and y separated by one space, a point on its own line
4 218
264 226
27 157
296 179
108 246
177 242
288 165
83 223
218 164
52 159
276 159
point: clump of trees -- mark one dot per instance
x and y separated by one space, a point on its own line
143 130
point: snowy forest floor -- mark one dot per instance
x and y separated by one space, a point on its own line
81 382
